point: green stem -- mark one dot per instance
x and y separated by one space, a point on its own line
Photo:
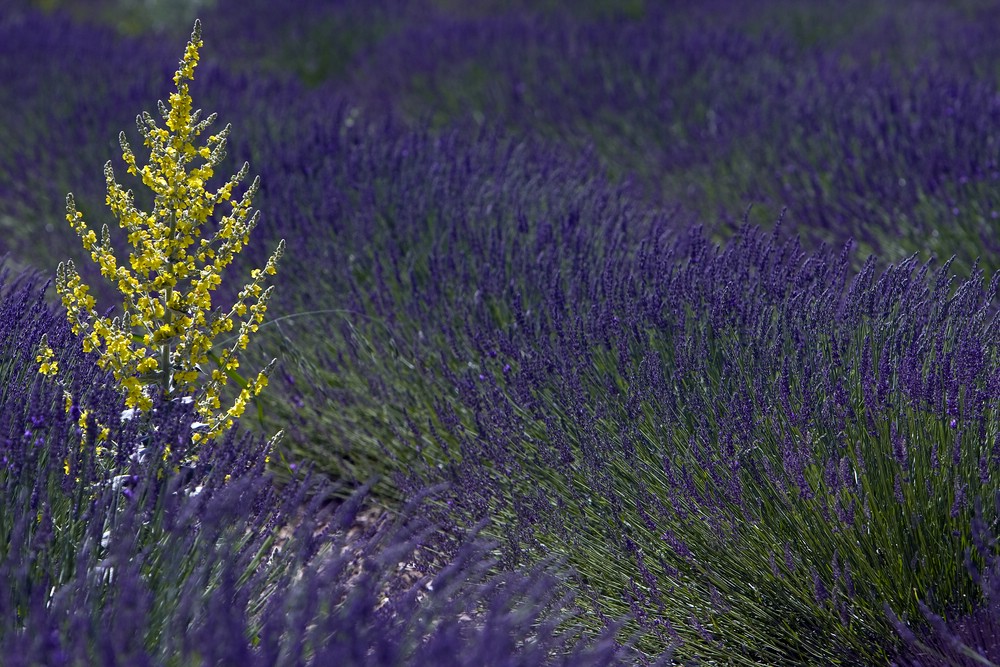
165 365
169 315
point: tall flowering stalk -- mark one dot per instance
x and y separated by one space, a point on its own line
166 336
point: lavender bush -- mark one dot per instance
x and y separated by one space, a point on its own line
767 453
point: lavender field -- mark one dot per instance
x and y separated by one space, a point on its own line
606 333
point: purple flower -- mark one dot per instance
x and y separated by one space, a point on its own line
789 560
960 501
820 592
898 446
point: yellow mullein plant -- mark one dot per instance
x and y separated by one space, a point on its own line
166 336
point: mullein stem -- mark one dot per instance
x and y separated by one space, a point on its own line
165 366
168 319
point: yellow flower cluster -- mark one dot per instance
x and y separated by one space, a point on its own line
46 358
166 335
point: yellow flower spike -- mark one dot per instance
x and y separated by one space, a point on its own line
168 329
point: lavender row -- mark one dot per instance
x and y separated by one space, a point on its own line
853 142
119 549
